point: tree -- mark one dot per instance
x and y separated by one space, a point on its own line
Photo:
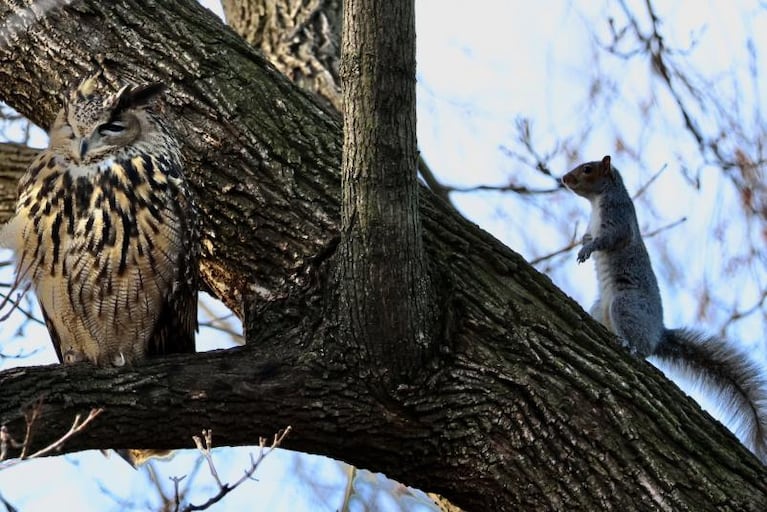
525 403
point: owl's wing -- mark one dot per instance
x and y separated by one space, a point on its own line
177 324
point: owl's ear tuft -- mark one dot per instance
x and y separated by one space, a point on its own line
139 96
85 90
87 87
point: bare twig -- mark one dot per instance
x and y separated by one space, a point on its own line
157 486
738 315
75 429
8 506
225 489
177 480
220 323
31 416
519 189
351 473
650 181
205 451
573 243
236 337
433 183
650 234
14 303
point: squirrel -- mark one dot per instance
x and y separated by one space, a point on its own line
629 305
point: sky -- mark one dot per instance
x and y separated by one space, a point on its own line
479 72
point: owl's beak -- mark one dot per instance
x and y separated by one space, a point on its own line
78 149
83 148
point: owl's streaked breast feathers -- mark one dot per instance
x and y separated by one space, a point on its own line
106 232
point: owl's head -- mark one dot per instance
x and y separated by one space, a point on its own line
98 124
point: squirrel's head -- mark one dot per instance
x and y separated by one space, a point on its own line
590 178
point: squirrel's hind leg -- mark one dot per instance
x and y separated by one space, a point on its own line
599 312
633 320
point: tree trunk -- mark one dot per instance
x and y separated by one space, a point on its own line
385 307
527 404
302 38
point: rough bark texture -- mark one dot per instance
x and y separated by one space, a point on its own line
385 308
301 38
527 405
312 58
14 160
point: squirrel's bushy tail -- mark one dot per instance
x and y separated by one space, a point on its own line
734 379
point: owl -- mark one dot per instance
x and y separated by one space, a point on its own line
105 231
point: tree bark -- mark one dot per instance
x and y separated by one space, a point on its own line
14 160
385 306
527 404
301 38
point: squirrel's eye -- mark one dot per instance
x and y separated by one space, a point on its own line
587 169
115 128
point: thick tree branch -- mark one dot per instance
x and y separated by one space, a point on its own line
527 404
301 38
436 432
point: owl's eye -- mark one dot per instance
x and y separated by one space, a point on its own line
115 128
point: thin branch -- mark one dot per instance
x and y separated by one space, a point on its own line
31 416
351 473
75 429
738 315
650 181
225 489
650 234
15 305
503 188
573 244
436 186
237 338
177 480
205 451
157 486
220 323
8 506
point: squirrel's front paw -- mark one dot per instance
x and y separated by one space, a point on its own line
584 253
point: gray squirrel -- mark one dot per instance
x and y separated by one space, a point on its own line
629 305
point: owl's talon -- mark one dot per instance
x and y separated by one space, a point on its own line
119 360
72 357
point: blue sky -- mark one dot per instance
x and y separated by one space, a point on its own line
479 71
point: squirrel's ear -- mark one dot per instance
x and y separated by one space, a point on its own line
606 168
